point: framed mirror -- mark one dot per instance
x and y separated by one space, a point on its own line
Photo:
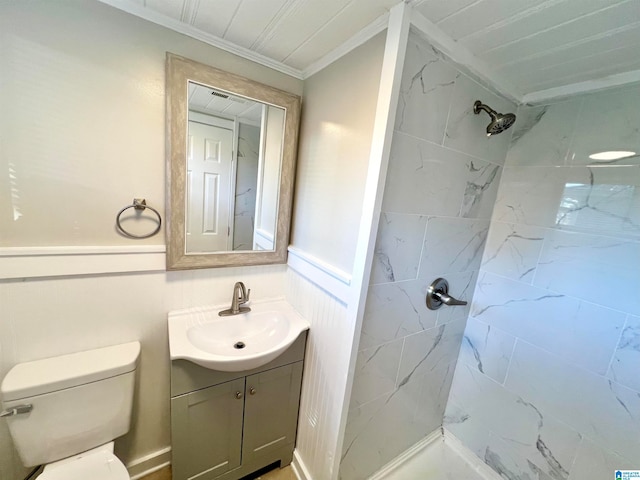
231 149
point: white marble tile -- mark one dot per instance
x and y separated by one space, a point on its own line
487 349
580 332
512 250
432 349
481 189
594 268
469 429
424 178
395 310
596 463
530 195
432 400
466 131
542 135
452 245
425 92
625 366
380 430
398 247
376 372
503 456
607 121
534 436
597 407
602 200
361 453
461 286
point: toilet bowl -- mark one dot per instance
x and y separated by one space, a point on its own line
64 412
97 464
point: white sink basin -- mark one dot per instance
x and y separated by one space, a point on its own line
235 343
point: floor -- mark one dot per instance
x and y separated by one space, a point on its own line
285 473
277 474
439 462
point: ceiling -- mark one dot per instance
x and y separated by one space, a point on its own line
223 104
531 48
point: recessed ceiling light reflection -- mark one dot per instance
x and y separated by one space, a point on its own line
613 155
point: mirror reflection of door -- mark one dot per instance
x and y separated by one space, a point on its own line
233 172
209 184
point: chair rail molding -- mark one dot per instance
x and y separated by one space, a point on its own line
33 262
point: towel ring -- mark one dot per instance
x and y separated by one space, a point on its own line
138 204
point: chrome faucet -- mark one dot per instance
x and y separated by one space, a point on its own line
240 297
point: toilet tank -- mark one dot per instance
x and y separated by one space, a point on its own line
80 401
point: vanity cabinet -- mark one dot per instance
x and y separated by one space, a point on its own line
225 425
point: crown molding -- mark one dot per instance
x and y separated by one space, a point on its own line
577 88
190 31
368 32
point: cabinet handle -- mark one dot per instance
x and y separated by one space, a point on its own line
252 391
238 395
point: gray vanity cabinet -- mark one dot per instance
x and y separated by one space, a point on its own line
207 425
269 420
225 425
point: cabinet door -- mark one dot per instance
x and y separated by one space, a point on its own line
206 427
271 410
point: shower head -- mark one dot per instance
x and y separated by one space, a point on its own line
499 121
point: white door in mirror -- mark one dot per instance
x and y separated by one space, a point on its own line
209 169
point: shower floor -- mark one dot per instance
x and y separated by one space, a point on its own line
441 460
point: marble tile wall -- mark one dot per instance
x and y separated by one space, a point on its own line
439 195
246 186
547 385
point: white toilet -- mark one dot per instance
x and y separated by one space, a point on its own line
66 411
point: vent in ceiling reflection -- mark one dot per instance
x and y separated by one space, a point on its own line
15 195
601 208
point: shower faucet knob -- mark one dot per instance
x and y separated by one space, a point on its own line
438 295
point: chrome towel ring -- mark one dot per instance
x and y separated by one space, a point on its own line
138 204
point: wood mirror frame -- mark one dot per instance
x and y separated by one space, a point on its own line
179 71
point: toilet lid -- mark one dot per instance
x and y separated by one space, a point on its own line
99 464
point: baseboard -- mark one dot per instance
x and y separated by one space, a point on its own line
299 468
468 456
386 471
148 464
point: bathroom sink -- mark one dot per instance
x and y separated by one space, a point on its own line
235 343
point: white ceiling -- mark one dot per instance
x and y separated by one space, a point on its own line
531 47
223 104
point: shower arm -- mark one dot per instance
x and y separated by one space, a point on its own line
480 106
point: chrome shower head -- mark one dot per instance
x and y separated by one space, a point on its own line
499 121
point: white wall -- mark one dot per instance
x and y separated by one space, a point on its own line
439 194
326 363
336 134
83 124
272 134
548 382
338 112
82 132
54 316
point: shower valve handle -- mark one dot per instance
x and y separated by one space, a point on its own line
448 299
17 410
438 295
